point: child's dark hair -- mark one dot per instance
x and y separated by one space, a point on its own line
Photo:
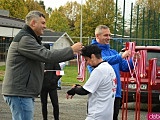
87 51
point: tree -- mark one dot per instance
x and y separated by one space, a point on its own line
70 10
34 5
19 12
41 3
58 21
94 13
148 13
20 8
49 11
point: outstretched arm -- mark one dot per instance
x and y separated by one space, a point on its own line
114 59
76 89
117 58
131 62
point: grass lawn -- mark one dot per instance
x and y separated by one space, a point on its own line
69 78
2 70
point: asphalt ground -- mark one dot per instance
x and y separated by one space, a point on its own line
70 109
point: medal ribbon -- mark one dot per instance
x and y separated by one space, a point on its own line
153 70
142 63
131 46
81 68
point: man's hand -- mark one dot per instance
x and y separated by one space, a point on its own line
77 47
127 53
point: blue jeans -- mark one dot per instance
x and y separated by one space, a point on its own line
22 108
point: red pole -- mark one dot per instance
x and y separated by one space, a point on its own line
140 73
125 96
152 76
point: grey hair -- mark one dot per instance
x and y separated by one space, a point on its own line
99 28
33 15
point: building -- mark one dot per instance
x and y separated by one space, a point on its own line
57 40
9 27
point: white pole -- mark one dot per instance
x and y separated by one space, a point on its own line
81 23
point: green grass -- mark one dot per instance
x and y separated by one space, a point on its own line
2 70
69 77
1 78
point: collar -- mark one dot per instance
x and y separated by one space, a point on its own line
98 64
30 31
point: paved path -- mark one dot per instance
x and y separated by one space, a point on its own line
2 63
72 109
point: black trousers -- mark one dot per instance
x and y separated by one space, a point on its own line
117 103
54 99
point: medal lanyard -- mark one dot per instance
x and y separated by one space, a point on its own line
142 63
153 70
81 68
131 46
134 66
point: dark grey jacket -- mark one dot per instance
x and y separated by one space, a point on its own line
25 64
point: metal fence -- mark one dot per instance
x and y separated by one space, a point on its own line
116 43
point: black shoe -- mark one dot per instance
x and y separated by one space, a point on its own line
58 88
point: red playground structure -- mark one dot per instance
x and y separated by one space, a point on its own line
142 79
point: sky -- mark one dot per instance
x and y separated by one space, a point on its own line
57 3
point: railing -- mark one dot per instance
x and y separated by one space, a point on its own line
115 43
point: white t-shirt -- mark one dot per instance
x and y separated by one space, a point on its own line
102 87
